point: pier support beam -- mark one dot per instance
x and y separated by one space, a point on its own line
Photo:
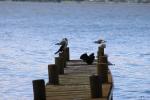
39 89
53 74
60 65
95 86
67 54
102 70
100 51
103 59
62 56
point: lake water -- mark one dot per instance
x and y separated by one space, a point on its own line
29 30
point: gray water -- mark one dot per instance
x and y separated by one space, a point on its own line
28 32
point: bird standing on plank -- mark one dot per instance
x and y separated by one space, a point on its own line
88 59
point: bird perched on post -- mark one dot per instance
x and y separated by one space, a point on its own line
103 45
88 59
63 43
61 49
99 41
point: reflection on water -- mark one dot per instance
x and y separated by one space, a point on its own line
28 32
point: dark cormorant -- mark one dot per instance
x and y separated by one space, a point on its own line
88 59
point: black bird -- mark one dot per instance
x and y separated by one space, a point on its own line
88 59
91 58
84 57
61 49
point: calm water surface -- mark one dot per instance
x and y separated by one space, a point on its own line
28 32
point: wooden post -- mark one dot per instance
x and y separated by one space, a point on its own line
95 86
39 89
102 70
63 58
53 74
60 65
99 69
103 59
67 54
100 51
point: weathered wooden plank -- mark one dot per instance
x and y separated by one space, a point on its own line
78 63
73 98
66 87
78 60
90 69
64 90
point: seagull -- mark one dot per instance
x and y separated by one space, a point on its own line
88 59
99 41
103 45
61 49
63 42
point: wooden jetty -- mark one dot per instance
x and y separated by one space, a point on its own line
75 80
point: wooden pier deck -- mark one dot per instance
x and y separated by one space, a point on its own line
76 80
75 84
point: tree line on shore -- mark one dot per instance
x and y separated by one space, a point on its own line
132 1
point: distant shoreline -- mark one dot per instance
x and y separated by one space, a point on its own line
96 1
